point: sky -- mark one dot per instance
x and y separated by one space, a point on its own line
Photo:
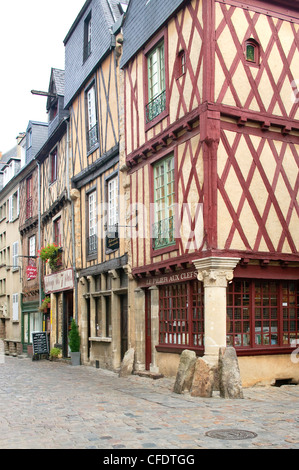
31 43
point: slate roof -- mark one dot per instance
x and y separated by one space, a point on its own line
7 156
143 19
58 77
104 15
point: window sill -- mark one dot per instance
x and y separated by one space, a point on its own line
164 250
156 120
100 339
258 351
178 348
93 149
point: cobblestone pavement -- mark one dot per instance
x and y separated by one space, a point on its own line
46 405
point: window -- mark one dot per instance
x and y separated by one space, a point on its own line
53 166
15 257
31 250
57 231
53 110
164 203
92 241
15 307
92 128
29 211
87 38
181 63
156 82
252 52
181 314
113 204
263 314
13 207
29 139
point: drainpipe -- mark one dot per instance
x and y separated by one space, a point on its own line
39 232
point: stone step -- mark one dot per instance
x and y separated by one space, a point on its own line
149 374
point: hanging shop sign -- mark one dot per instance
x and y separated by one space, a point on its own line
112 241
60 281
31 272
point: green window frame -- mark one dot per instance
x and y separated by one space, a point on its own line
156 82
164 203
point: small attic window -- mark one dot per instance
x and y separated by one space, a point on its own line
252 51
181 63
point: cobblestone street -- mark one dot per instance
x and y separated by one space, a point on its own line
50 405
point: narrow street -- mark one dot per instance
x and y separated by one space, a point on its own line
50 405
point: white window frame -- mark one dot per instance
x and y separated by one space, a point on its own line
15 254
92 214
15 307
31 250
156 71
91 107
113 203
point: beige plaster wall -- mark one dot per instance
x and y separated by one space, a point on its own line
255 370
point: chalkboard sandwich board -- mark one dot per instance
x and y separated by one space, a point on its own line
40 343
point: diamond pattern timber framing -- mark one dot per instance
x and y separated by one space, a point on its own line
266 88
259 193
183 93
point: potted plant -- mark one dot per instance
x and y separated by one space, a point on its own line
45 304
51 254
74 344
54 353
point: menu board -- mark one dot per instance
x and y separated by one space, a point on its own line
40 342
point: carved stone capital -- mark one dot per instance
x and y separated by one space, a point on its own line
215 271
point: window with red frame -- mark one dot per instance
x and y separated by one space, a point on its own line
181 63
263 314
181 314
252 52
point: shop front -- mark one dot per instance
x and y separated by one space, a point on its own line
60 287
221 302
32 320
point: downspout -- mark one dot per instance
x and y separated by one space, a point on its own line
39 231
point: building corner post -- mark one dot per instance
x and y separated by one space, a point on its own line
215 273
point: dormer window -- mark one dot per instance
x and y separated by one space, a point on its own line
252 52
53 110
87 37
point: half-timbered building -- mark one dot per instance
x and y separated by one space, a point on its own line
211 147
92 81
54 162
32 317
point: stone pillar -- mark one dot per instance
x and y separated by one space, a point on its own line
139 310
154 327
83 289
215 272
115 320
92 288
